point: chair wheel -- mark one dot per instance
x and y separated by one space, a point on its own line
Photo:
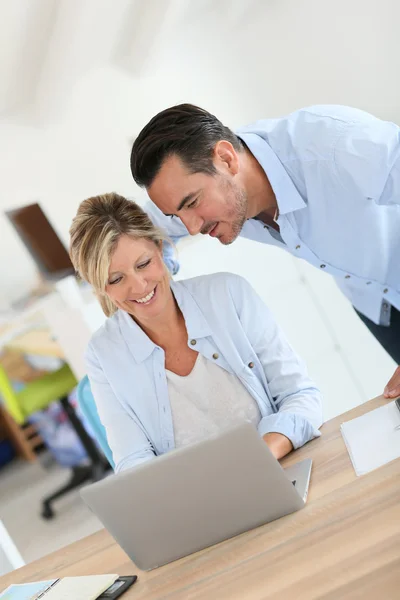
47 513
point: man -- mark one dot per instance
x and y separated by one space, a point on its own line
322 183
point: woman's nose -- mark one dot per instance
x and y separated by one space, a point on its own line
138 286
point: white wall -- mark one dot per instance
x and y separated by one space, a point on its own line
242 60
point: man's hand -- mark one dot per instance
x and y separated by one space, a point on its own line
392 390
278 443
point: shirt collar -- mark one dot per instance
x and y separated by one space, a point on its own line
287 196
141 345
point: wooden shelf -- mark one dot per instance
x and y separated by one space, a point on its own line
23 444
25 439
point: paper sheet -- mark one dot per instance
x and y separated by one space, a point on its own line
372 439
68 588
25 591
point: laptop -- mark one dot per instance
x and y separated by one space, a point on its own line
196 496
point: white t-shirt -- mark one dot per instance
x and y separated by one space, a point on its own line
207 401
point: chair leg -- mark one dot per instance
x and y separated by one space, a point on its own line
78 477
92 472
87 442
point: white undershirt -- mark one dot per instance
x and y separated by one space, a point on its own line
207 401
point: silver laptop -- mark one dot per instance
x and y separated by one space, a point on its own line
195 496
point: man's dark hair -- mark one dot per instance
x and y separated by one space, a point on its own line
186 130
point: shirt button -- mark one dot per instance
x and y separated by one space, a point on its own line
193 342
251 365
347 276
385 306
322 266
265 226
298 247
385 291
369 282
215 356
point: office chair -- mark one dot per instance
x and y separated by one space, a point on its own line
37 395
88 407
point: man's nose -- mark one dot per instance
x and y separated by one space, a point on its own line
193 223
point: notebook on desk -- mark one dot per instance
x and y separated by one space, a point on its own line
68 588
373 439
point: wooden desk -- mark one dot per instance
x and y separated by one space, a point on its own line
345 544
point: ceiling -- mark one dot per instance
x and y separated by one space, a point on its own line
48 45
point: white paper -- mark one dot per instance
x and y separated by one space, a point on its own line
372 440
80 588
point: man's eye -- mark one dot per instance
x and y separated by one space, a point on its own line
192 204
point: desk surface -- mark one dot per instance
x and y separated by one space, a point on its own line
345 544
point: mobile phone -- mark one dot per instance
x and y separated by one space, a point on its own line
118 587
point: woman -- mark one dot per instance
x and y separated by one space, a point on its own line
176 362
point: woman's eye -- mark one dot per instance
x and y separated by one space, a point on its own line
117 280
144 265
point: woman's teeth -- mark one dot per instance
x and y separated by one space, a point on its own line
146 298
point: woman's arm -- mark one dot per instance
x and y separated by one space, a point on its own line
128 444
295 395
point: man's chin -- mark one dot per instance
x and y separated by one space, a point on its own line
227 239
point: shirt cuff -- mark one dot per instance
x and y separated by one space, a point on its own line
295 427
133 461
170 258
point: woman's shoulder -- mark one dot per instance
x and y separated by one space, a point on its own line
108 332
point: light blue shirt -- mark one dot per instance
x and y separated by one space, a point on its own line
175 230
335 172
228 324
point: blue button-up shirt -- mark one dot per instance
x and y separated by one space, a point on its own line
175 230
335 172
232 327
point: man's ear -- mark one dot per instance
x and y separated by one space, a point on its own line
226 157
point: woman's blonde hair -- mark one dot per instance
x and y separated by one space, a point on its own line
94 234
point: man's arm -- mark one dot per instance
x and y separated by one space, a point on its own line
172 225
175 230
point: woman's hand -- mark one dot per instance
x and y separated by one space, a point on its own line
278 443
